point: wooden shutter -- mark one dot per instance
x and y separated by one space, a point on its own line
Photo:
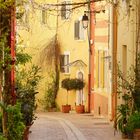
62 63
63 11
99 69
68 12
66 62
26 17
43 16
76 30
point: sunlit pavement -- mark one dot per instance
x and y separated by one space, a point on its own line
63 126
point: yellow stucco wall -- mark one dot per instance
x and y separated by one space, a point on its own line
78 49
36 36
126 41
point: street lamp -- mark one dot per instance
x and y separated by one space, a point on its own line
85 21
85 26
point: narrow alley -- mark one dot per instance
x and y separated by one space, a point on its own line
59 126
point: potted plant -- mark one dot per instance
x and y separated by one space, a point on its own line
79 84
121 119
68 85
134 124
27 82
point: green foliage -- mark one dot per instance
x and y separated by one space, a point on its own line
50 92
131 85
22 57
12 119
0 122
136 90
66 84
77 84
6 61
49 97
4 5
15 125
72 84
27 82
2 137
133 122
1 134
122 116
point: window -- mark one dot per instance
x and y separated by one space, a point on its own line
102 68
44 16
99 69
64 60
25 17
79 32
105 69
65 10
124 60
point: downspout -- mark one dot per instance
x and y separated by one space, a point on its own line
137 30
89 71
89 45
110 54
91 53
114 61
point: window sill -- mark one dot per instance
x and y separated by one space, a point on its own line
66 74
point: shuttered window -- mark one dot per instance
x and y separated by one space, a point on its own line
65 10
102 69
99 68
105 69
44 16
64 61
76 29
79 32
27 18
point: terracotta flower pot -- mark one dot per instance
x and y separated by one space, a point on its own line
137 134
130 135
26 133
80 108
124 136
66 108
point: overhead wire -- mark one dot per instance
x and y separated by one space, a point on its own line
54 9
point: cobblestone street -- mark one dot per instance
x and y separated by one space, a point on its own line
59 126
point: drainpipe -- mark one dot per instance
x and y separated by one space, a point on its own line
89 72
91 52
111 61
114 64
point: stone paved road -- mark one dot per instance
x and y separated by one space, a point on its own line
59 126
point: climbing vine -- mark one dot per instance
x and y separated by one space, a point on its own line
50 56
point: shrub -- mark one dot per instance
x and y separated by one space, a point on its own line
15 125
72 84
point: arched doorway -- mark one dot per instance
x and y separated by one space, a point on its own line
79 93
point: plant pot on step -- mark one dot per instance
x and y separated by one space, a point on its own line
66 108
137 134
124 136
130 135
80 108
26 133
